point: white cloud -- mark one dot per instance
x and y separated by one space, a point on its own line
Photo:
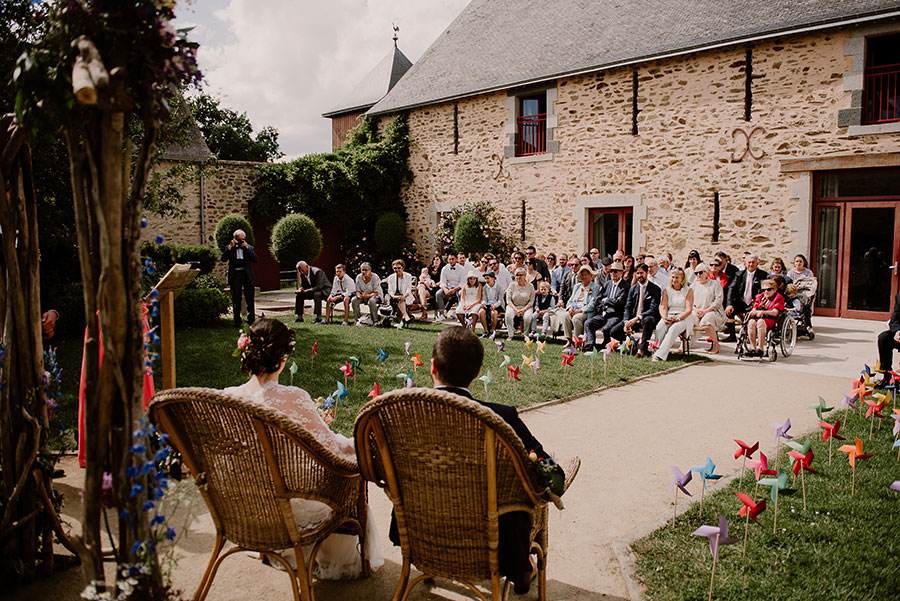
285 62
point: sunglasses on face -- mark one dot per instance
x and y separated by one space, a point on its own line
397 268
768 289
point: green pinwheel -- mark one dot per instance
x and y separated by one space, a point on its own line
820 408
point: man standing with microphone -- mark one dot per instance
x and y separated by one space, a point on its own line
240 257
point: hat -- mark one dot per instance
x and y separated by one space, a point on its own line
607 260
586 268
701 267
472 274
617 266
490 273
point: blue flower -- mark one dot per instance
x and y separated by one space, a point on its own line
143 222
131 471
136 489
154 293
170 534
138 449
157 519
147 506
159 239
137 547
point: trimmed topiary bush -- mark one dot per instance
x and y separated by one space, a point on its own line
390 233
296 238
196 306
470 234
225 230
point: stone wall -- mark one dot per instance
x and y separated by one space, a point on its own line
227 188
691 109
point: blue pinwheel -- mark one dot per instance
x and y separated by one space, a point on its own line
382 357
341 393
706 472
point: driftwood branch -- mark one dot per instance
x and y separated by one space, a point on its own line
5 526
88 72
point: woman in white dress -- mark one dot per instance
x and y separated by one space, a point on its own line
708 311
676 309
263 355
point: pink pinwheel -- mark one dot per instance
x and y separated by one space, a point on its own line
874 409
746 451
678 483
802 464
750 509
895 415
315 348
347 371
895 485
760 466
717 536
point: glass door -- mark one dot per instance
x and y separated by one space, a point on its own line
611 230
825 261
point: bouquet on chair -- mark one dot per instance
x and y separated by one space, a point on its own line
550 475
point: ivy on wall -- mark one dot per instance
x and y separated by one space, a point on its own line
350 187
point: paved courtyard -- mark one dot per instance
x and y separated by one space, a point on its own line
627 437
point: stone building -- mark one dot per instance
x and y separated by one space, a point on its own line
763 126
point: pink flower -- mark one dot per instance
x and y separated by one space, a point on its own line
166 32
243 341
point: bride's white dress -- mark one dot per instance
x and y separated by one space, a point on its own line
338 557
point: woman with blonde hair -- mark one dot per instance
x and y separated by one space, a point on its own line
708 310
676 310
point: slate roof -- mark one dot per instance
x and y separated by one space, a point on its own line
195 148
498 44
375 85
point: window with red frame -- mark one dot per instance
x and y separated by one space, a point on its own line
881 88
531 125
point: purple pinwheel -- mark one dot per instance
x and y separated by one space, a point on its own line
407 346
500 345
781 430
850 400
896 418
680 481
716 535
493 335
895 485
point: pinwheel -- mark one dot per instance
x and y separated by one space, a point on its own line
406 376
802 464
653 345
325 407
347 371
820 408
578 341
416 361
612 345
605 351
802 448
376 391
781 431
500 344
750 510
540 346
567 359
340 394
859 389
829 433
591 355
488 380
528 341
746 451
493 336
400 325
760 468
717 535
527 361
854 452
514 376
623 348
874 409
895 377
895 485
293 369
382 357
470 321
629 342
850 400
410 383
536 368
895 415
356 364
505 361
706 472
776 485
314 353
866 373
406 347
679 481
897 444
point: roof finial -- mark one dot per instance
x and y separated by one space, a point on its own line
396 29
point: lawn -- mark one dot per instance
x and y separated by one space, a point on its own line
204 358
842 547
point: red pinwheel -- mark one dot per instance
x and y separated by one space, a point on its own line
578 341
746 451
314 353
751 509
568 358
802 464
417 361
874 409
830 433
513 373
376 391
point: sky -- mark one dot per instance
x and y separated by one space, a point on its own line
285 62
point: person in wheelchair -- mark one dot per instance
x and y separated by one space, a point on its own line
766 307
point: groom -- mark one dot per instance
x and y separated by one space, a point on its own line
455 363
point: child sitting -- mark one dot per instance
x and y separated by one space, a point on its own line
543 308
492 303
469 301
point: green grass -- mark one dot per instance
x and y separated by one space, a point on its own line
203 358
840 548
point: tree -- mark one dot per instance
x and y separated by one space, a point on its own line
100 69
229 135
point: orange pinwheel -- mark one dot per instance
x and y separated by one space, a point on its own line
417 362
376 391
859 388
854 452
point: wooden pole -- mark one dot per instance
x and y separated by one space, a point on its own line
775 521
803 484
746 531
712 578
167 334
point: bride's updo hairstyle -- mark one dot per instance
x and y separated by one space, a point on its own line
269 342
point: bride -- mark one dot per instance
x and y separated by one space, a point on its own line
263 355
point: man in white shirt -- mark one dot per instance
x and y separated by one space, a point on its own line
665 266
655 273
504 277
341 291
452 278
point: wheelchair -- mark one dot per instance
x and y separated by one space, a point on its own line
783 335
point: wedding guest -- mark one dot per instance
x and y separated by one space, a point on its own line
504 277
557 271
800 269
676 309
656 274
742 290
690 265
469 300
628 273
641 310
580 304
519 303
342 290
716 273
609 308
241 257
543 309
539 264
888 341
532 275
761 317
593 256
665 265
368 291
518 262
428 286
399 289
452 279
462 261
311 283
491 303
776 267
708 311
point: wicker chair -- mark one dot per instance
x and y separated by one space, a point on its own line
248 462
451 467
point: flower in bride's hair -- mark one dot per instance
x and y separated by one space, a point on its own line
243 341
